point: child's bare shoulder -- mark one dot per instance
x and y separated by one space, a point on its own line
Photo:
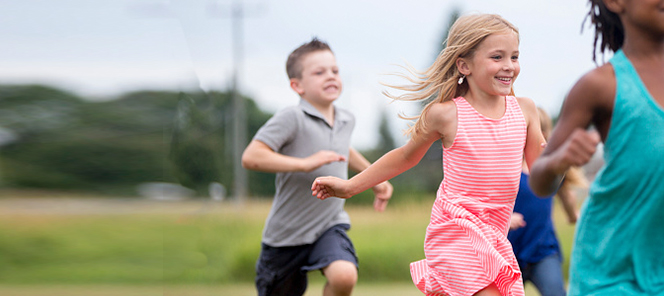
442 112
441 118
528 109
527 103
598 86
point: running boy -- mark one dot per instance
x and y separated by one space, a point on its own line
300 143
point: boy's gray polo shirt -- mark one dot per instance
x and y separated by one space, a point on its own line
297 217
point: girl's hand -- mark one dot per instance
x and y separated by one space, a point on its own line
577 150
324 187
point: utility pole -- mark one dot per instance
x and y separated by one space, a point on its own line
239 110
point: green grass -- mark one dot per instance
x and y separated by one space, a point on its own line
239 289
193 243
142 246
242 289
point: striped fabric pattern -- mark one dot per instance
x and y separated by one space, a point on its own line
466 242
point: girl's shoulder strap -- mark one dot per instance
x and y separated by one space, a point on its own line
461 102
620 60
459 98
511 100
513 106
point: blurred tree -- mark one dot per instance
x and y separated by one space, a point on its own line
33 110
430 171
454 15
63 141
426 176
195 151
386 141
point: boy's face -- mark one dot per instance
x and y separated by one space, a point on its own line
320 83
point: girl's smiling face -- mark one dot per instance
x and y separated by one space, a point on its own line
494 65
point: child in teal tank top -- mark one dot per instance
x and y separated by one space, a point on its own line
619 241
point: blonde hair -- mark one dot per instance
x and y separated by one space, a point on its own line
574 176
546 124
440 79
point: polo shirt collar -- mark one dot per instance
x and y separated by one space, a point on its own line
312 111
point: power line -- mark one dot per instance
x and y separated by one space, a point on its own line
239 114
239 124
239 109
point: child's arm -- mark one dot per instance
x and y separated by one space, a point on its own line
440 119
516 221
260 157
535 141
382 191
568 200
388 166
589 101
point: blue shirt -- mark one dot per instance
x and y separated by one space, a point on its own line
537 239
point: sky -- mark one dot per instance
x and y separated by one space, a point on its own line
103 48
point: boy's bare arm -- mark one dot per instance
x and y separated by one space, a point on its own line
260 157
356 161
383 191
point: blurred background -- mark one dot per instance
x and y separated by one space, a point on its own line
122 122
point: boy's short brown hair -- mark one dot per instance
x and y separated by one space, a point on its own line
294 65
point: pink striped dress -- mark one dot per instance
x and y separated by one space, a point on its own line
466 244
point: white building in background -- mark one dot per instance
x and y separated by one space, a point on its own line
164 191
6 136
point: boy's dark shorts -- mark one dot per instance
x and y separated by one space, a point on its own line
283 270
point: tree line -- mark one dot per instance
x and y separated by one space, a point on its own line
53 139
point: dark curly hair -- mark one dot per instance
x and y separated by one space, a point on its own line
607 26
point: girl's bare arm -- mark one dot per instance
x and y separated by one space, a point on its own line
392 163
535 141
382 191
570 144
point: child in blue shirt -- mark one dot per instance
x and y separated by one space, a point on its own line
532 233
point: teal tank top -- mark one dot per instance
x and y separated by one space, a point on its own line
619 241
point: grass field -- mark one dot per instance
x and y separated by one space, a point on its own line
80 246
242 289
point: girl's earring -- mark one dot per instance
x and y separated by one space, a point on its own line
461 79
